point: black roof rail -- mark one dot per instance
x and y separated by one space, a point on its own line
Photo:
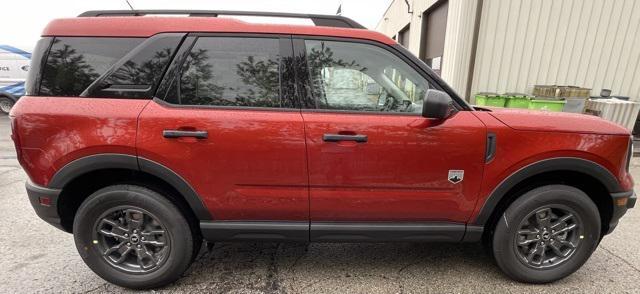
318 19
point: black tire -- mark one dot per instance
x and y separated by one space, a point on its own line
519 225
6 104
159 212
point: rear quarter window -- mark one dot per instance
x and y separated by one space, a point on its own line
73 63
138 74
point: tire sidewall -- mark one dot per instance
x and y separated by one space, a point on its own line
508 225
178 230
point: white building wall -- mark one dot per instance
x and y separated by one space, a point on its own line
458 44
521 43
397 17
459 34
587 43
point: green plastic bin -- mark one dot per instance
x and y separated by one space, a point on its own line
490 99
517 100
547 104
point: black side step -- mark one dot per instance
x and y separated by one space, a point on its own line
303 231
386 232
255 231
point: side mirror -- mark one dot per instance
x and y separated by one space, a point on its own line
437 105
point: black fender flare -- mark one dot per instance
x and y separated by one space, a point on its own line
126 161
574 164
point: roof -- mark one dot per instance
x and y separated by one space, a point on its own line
136 26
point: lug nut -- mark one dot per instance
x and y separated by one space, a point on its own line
135 231
143 238
128 244
126 235
139 246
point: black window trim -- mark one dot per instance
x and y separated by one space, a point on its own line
164 103
34 88
190 40
299 49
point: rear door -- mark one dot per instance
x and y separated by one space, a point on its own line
372 156
225 119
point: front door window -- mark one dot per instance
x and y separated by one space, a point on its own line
362 77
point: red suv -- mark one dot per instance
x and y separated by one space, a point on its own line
145 135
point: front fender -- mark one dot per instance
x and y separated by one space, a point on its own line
574 164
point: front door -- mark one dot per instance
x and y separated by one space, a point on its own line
372 156
228 127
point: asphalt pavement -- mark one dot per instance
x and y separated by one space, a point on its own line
36 257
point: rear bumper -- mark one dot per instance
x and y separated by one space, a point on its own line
44 202
620 209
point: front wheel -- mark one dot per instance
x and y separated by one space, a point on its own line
133 237
6 104
546 234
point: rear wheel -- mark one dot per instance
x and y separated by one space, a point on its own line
6 104
546 234
133 237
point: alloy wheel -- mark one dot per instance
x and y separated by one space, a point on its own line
548 236
132 239
5 105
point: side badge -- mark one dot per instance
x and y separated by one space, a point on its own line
456 176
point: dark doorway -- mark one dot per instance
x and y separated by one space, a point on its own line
403 36
434 24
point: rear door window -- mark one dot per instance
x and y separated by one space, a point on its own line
231 71
73 63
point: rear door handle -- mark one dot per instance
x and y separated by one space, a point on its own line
181 134
339 138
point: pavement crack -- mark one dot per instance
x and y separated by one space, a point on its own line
309 285
273 279
104 285
407 266
398 277
622 259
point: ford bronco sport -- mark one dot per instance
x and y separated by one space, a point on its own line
144 135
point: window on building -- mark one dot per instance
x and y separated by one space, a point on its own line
403 36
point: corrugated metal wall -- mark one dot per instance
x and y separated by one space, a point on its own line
458 43
587 43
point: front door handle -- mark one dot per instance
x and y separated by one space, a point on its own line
182 133
339 138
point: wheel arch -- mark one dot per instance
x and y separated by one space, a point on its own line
88 174
592 178
10 96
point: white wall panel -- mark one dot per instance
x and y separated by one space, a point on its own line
587 43
458 43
